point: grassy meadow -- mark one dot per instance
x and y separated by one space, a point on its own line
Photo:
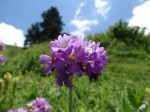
123 87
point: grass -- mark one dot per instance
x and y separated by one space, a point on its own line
121 88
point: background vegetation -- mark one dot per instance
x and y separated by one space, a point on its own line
123 87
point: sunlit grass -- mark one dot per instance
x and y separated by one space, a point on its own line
127 75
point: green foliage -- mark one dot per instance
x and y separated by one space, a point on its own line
135 97
103 95
122 31
122 87
8 86
122 36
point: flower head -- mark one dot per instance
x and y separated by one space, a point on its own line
74 55
2 46
2 60
18 110
41 105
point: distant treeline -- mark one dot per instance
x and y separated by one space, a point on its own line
124 37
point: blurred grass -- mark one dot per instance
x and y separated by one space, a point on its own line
121 88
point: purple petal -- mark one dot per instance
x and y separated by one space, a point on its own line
73 68
100 49
48 68
59 79
60 65
69 51
63 77
60 43
44 59
81 57
62 55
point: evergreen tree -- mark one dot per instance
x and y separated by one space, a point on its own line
52 23
34 33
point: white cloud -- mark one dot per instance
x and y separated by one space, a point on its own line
78 11
11 35
82 25
141 16
102 7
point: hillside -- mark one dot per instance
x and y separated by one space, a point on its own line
120 88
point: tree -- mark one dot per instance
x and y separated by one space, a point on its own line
126 33
52 23
49 28
34 33
120 30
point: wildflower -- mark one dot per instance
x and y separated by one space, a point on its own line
18 110
2 60
2 46
74 55
41 105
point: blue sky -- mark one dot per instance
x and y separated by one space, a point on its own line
81 17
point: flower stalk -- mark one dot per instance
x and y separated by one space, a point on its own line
70 98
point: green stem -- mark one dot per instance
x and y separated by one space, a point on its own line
70 98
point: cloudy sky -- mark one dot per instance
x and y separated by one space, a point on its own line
81 17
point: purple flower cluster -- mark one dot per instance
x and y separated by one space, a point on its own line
2 46
41 105
74 55
18 110
37 105
2 58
